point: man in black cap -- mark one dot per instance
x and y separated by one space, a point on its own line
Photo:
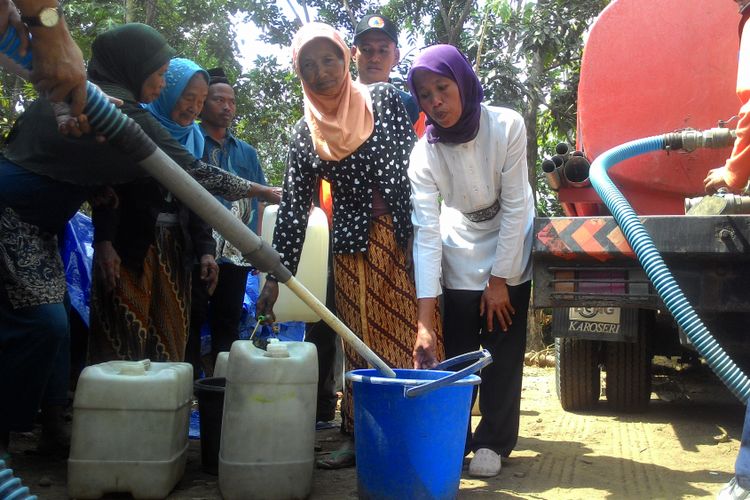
375 53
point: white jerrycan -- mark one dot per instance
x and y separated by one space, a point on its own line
268 428
312 270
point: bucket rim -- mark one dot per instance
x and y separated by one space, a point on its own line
358 376
210 384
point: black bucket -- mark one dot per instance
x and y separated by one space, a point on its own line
210 393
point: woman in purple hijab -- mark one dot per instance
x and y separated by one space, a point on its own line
449 62
473 213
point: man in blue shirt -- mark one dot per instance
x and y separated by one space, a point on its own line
224 308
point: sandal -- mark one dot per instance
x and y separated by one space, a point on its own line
339 459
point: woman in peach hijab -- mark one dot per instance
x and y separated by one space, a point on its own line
358 138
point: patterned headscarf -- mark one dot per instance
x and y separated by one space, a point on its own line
448 61
178 76
341 123
127 55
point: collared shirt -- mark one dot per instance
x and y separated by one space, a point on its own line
239 158
471 178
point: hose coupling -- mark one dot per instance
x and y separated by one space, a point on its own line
690 139
718 204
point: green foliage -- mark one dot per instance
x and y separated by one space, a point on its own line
268 98
14 93
277 29
269 102
198 29
529 57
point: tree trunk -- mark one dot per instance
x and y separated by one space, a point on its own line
150 12
129 10
480 44
530 114
537 321
453 22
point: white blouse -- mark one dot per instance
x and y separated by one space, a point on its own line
470 177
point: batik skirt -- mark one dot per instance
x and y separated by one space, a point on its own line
376 299
147 315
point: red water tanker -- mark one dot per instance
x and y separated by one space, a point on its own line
651 67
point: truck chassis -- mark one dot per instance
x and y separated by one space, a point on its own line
606 314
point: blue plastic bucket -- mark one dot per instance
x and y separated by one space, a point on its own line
410 431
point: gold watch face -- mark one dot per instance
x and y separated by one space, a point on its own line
49 17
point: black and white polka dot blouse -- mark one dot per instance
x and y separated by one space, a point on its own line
381 161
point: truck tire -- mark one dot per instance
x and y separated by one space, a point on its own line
576 373
628 373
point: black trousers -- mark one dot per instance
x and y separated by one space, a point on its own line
325 340
223 310
500 390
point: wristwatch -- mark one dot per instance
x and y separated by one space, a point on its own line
48 17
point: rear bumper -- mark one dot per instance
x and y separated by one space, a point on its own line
586 261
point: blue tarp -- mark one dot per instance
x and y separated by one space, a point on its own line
77 252
292 330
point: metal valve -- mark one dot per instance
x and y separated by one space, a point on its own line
689 140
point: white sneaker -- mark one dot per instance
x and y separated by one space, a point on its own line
486 463
733 491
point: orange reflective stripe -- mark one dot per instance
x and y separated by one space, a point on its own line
598 238
585 237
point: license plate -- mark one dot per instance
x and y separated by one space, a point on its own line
604 320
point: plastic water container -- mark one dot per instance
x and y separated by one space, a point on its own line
268 429
222 362
312 270
130 429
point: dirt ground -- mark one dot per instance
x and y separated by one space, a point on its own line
683 447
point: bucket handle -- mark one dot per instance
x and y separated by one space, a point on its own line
482 356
